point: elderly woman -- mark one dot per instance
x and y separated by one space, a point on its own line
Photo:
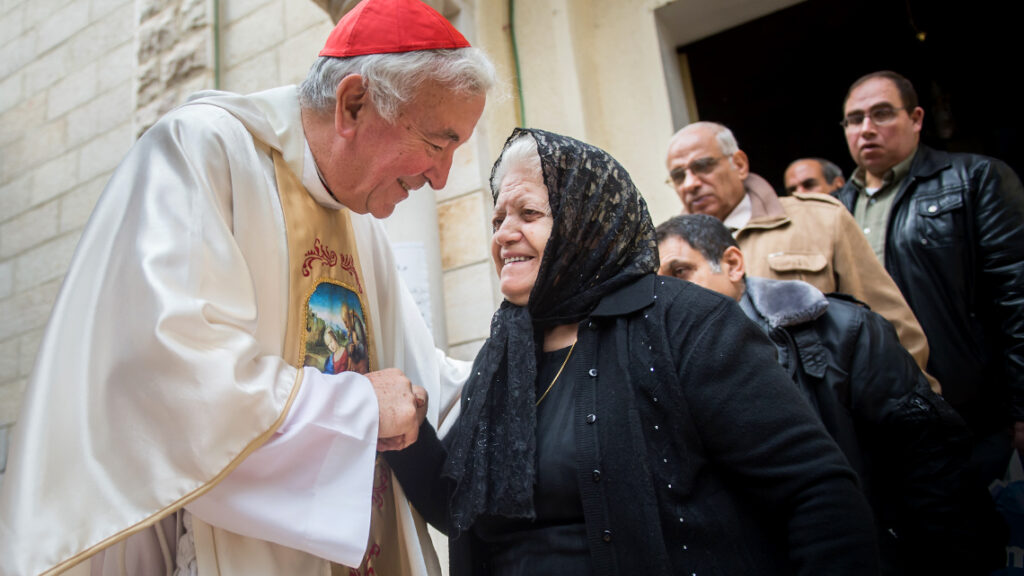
620 423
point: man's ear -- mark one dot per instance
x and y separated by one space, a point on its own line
739 159
917 118
732 264
350 103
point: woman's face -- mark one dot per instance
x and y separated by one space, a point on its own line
522 224
329 340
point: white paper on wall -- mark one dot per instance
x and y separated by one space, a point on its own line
411 261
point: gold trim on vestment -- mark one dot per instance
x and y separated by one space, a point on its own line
173 507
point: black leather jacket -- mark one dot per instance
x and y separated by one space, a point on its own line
955 247
909 447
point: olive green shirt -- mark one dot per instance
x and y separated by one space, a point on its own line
873 206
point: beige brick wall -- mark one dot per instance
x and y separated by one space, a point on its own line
65 120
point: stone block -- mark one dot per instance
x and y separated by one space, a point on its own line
196 83
148 115
12 23
469 302
150 8
467 351
6 281
100 9
38 10
300 16
261 30
186 60
27 311
299 52
28 229
149 87
74 90
44 71
103 113
54 178
28 349
11 394
14 196
60 25
100 38
5 439
466 173
156 35
195 15
10 91
463 230
105 152
76 206
235 10
17 53
117 67
256 73
35 148
8 360
17 122
43 263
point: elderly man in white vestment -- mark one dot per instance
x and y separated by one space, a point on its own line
232 345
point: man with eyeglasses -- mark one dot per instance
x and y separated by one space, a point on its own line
807 237
949 228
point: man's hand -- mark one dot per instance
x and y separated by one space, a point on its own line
402 408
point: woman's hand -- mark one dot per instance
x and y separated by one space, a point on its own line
402 405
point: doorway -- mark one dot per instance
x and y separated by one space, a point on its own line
779 81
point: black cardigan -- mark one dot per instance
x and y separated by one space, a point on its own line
695 453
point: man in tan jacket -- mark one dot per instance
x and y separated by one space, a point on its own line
808 237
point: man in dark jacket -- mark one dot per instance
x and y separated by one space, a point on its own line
908 446
949 228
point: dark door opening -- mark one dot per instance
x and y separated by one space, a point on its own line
779 81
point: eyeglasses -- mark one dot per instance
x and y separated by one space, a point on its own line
699 167
879 117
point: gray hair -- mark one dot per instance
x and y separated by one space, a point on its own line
520 152
724 136
392 79
829 170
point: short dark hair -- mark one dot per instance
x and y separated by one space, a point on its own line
907 93
705 234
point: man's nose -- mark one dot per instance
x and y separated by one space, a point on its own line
438 172
690 182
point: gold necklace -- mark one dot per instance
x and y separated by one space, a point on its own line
557 374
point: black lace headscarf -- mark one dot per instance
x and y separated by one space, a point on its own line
602 238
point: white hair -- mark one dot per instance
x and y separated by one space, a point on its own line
724 136
521 152
392 79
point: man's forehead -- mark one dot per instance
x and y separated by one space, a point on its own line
872 93
805 169
674 247
697 142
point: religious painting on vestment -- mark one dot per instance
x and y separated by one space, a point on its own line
335 337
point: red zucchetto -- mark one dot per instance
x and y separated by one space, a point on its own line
387 26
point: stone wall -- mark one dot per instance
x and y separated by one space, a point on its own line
66 93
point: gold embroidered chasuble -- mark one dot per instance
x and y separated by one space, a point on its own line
329 328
